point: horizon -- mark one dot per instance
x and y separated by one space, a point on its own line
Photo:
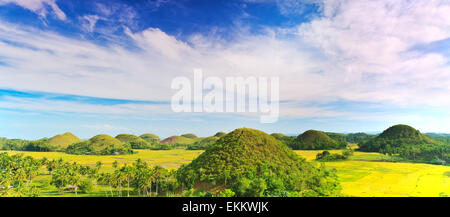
105 67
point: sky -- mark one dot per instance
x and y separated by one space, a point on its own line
92 67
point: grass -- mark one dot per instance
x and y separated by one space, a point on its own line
365 174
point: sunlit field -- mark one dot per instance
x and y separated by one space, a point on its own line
364 175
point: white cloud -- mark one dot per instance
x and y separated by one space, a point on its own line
88 22
40 7
357 51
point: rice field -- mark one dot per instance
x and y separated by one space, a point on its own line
366 174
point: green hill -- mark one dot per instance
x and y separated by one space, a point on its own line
220 134
135 141
177 140
127 138
150 137
287 140
253 163
395 137
190 135
317 140
203 144
100 145
62 141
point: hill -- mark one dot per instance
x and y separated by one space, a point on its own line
220 134
253 163
100 145
317 140
177 140
190 135
150 137
203 144
62 141
409 143
394 137
135 141
287 140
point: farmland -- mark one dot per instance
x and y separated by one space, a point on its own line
365 174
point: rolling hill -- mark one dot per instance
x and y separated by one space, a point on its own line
246 157
100 145
62 141
317 140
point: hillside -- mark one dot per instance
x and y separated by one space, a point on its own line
203 144
62 141
395 137
408 143
248 157
287 140
177 140
317 140
190 135
135 141
220 134
150 137
100 145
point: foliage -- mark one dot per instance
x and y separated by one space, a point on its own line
327 156
16 175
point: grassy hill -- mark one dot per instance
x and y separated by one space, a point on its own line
178 140
62 141
410 144
190 135
220 134
250 162
150 137
317 140
100 145
203 144
396 137
135 141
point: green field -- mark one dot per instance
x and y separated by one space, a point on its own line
366 174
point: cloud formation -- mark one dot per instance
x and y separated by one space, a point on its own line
352 51
40 7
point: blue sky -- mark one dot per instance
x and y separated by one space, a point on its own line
93 67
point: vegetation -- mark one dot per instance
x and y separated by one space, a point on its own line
100 145
317 140
16 175
62 141
135 141
408 143
252 163
351 137
287 140
327 156
203 144
363 174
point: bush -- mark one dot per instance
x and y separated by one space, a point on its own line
86 186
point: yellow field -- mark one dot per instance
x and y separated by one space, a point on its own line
359 177
166 158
